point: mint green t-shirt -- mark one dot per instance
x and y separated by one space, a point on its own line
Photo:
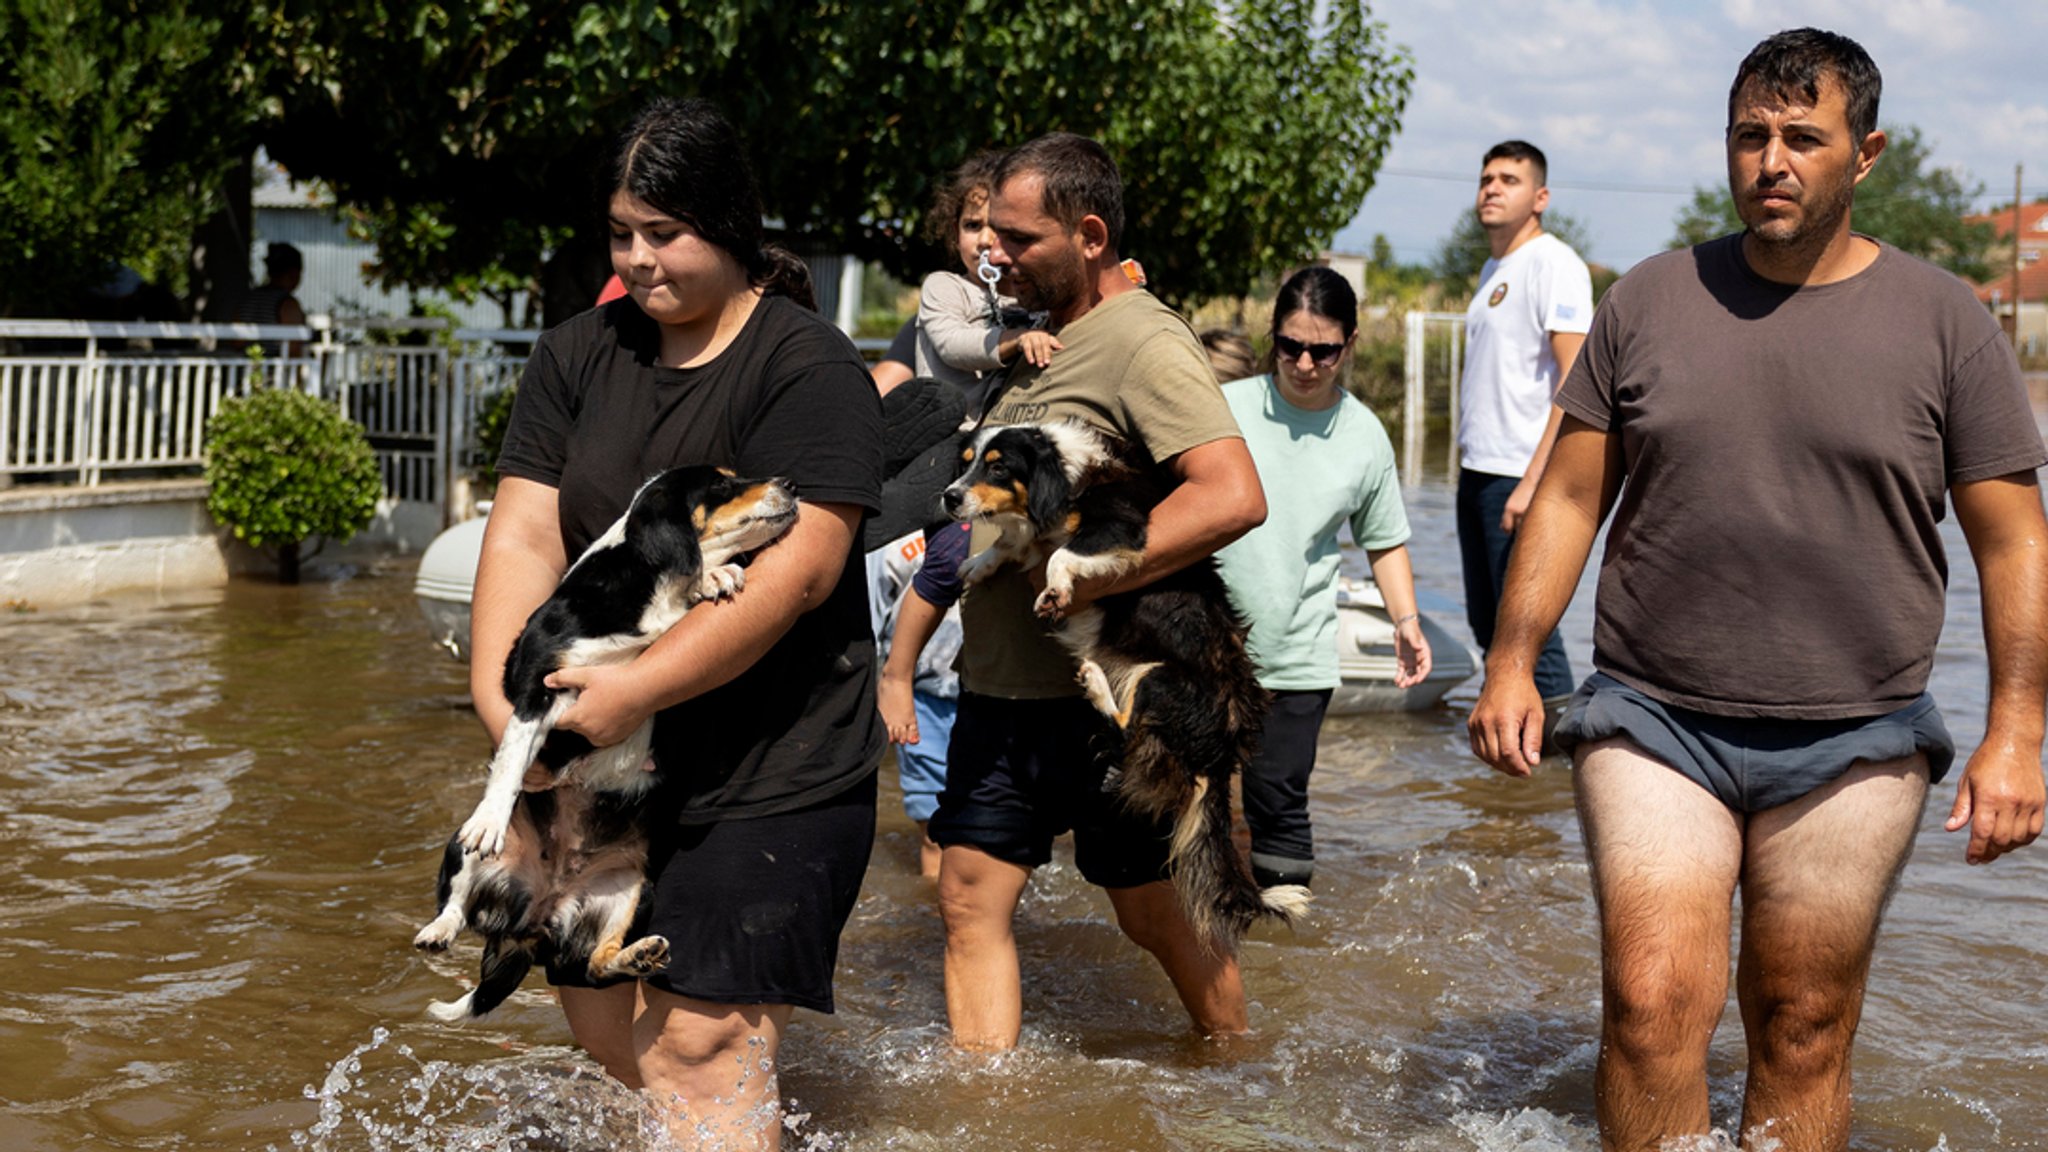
1319 469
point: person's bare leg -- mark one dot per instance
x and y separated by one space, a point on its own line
1665 856
1816 877
601 1019
1207 979
928 852
710 1069
978 897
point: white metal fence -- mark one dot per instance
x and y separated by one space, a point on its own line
1434 362
88 402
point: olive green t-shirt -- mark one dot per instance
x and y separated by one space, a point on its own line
1130 366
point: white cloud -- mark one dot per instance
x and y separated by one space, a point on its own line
1633 92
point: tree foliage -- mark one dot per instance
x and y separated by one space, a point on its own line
1905 201
1465 251
467 137
118 119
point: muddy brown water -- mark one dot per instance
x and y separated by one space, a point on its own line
222 820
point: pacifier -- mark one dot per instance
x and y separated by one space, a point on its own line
988 273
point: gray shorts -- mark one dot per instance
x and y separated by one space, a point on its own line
1753 764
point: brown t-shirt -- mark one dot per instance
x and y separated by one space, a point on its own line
1788 452
1130 366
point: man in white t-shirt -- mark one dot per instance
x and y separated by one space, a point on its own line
1522 332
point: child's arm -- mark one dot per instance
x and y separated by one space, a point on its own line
916 620
1036 345
953 315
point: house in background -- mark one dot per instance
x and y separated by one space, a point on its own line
336 281
1997 291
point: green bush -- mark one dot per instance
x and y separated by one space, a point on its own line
283 467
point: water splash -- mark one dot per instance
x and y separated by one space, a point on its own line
382 1097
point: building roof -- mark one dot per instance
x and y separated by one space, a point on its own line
2033 253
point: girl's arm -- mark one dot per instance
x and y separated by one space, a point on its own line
1396 579
520 563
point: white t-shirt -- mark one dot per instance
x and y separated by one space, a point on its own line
1510 373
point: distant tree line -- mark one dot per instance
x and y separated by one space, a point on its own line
463 139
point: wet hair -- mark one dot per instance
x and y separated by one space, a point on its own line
1319 291
683 159
281 258
1230 354
1519 150
951 199
1792 64
1078 180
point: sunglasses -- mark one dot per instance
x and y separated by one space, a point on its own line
1291 349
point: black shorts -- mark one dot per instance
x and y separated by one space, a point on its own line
1753 764
753 908
1020 772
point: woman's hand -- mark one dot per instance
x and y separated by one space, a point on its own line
611 702
1411 654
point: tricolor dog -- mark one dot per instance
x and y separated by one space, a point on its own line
555 874
1167 662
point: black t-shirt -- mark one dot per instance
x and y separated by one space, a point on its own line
596 416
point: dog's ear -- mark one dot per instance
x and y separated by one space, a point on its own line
1046 503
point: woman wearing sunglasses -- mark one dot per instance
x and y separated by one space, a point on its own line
1324 460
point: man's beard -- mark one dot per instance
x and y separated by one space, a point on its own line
1822 210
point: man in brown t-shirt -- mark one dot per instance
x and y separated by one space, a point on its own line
1790 408
1020 767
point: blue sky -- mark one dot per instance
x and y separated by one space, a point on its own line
1628 101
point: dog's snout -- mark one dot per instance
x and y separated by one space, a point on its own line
949 503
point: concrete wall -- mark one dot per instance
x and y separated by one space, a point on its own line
61 546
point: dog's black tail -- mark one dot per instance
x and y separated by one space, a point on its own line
505 964
1216 887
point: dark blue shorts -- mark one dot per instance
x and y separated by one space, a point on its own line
1021 772
1753 764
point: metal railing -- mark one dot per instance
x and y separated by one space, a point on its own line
85 402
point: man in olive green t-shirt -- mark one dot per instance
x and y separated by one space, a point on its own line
1021 768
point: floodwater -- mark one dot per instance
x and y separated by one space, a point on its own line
223 817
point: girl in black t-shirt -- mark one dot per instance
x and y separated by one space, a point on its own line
766 731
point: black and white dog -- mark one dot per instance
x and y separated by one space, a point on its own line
555 874
1167 662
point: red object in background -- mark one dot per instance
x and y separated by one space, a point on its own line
613 289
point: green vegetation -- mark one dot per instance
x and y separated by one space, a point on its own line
464 138
1904 202
283 467
120 125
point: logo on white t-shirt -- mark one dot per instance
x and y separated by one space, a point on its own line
1500 293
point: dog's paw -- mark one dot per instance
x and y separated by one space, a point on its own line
483 834
438 934
1112 780
979 566
721 582
644 957
1052 603
1095 686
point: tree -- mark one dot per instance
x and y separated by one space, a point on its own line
1904 201
467 139
118 121
1462 253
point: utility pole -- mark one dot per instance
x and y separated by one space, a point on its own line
2016 169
